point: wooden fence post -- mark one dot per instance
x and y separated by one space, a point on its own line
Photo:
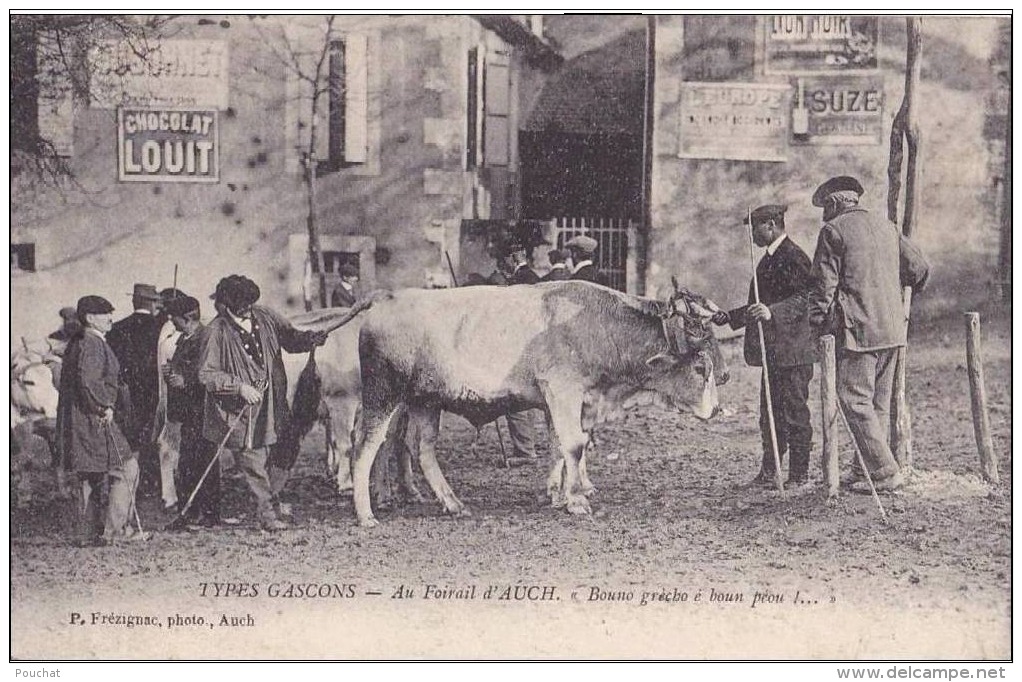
980 416
828 400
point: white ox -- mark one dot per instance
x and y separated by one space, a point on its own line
579 351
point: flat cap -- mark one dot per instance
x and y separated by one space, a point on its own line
181 306
582 243
841 183
94 305
762 214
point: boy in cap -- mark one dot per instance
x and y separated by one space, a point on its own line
241 368
90 437
783 277
860 266
344 293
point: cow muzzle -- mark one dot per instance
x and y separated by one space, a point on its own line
709 404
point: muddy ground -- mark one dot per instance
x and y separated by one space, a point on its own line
725 572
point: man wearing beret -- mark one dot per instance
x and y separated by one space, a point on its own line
783 277
90 420
241 368
135 340
860 266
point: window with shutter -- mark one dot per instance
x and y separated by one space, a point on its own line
488 107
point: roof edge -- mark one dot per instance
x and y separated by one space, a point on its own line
538 52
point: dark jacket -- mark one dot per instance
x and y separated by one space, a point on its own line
557 274
861 264
224 366
589 273
135 340
783 287
524 275
89 384
342 298
186 404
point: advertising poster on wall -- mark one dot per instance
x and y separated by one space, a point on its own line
736 121
807 43
164 145
838 110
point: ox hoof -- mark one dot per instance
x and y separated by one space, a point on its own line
579 506
369 522
589 490
558 501
462 513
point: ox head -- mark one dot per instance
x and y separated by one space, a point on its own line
688 372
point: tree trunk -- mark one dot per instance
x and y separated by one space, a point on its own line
315 250
905 133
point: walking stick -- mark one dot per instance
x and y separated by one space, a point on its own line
862 465
766 371
213 460
120 461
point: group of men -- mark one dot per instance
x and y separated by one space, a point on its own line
853 289
123 385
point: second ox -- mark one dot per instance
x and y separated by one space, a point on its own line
576 350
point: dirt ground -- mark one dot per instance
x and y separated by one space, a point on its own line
678 560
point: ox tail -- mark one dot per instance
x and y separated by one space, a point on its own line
305 411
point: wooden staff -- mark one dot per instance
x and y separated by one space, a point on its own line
980 415
828 398
766 371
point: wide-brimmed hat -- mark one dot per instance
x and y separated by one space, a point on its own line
762 214
236 291
94 305
582 243
146 292
841 183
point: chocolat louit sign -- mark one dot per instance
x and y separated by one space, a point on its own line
167 145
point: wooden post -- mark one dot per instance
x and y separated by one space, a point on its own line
828 401
980 416
905 133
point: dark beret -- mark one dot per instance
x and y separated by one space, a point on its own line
170 293
94 305
349 270
762 214
842 183
181 306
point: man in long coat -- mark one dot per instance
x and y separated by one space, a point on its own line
860 266
241 368
91 415
783 279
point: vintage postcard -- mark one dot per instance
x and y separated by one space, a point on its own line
673 337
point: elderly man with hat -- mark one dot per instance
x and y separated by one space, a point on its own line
343 295
90 430
241 368
860 266
783 279
582 250
135 340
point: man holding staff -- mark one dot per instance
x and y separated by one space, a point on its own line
790 348
861 264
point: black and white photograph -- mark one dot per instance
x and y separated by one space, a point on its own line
512 337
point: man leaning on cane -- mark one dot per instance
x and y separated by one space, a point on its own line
783 275
860 266
91 414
